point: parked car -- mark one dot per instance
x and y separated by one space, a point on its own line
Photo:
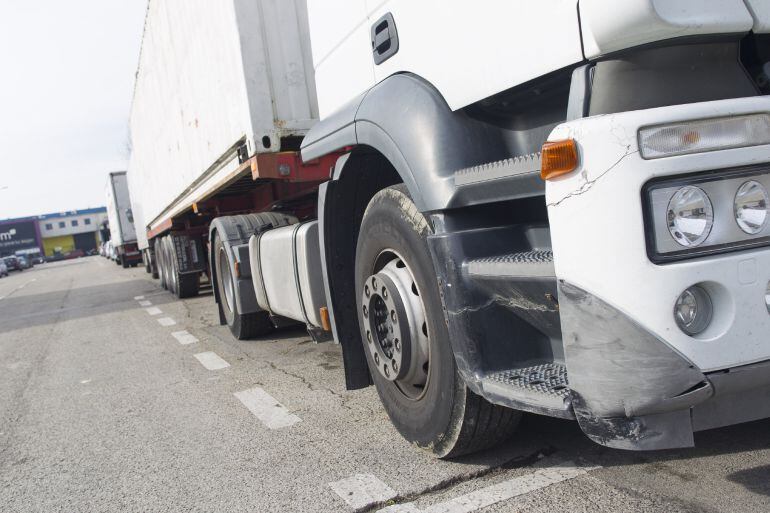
32 258
12 262
24 262
3 268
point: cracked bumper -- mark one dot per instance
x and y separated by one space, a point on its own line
640 382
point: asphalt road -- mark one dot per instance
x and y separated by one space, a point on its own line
104 406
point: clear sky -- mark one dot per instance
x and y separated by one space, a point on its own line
66 78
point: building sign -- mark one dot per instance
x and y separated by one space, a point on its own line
17 236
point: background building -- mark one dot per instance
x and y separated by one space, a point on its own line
19 236
66 232
56 235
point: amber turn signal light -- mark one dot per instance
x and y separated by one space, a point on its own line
325 321
558 158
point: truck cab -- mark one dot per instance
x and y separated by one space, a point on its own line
538 207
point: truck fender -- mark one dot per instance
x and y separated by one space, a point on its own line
408 121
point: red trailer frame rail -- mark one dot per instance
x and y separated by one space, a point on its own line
288 165
284 176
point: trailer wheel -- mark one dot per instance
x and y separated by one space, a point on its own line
242 326
160 252
406 339
171 266
146 261
183 285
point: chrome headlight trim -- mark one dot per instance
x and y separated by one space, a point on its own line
725 235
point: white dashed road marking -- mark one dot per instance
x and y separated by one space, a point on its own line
166 321
211 360
154 310
145 303
138 298
270 412
362 490
497 493
184 337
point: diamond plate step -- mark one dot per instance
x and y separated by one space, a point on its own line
536 263
540 388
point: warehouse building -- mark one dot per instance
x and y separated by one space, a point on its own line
57 235
68 232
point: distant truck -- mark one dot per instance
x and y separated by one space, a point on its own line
121 221
505 207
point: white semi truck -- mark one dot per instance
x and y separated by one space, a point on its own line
121 221
494 207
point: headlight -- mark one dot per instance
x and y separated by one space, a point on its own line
751 207
690 216
712 212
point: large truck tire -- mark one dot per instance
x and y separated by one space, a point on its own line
146 261
172 274
160 252
183 285
242 326
406 339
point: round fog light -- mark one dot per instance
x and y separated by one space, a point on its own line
693 310
690 216
751 207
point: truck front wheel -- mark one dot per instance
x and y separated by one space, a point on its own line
406 339
242 326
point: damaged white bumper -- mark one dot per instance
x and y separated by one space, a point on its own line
637 375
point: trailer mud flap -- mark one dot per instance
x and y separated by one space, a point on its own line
189 254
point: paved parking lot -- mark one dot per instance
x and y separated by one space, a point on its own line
116 397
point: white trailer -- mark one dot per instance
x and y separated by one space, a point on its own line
217 83
506 207
121 219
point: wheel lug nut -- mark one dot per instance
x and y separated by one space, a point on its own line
366 311
395 365
369 336
393 315
387 371
397 345
366 290
376 358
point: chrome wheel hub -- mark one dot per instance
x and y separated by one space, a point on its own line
395 326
